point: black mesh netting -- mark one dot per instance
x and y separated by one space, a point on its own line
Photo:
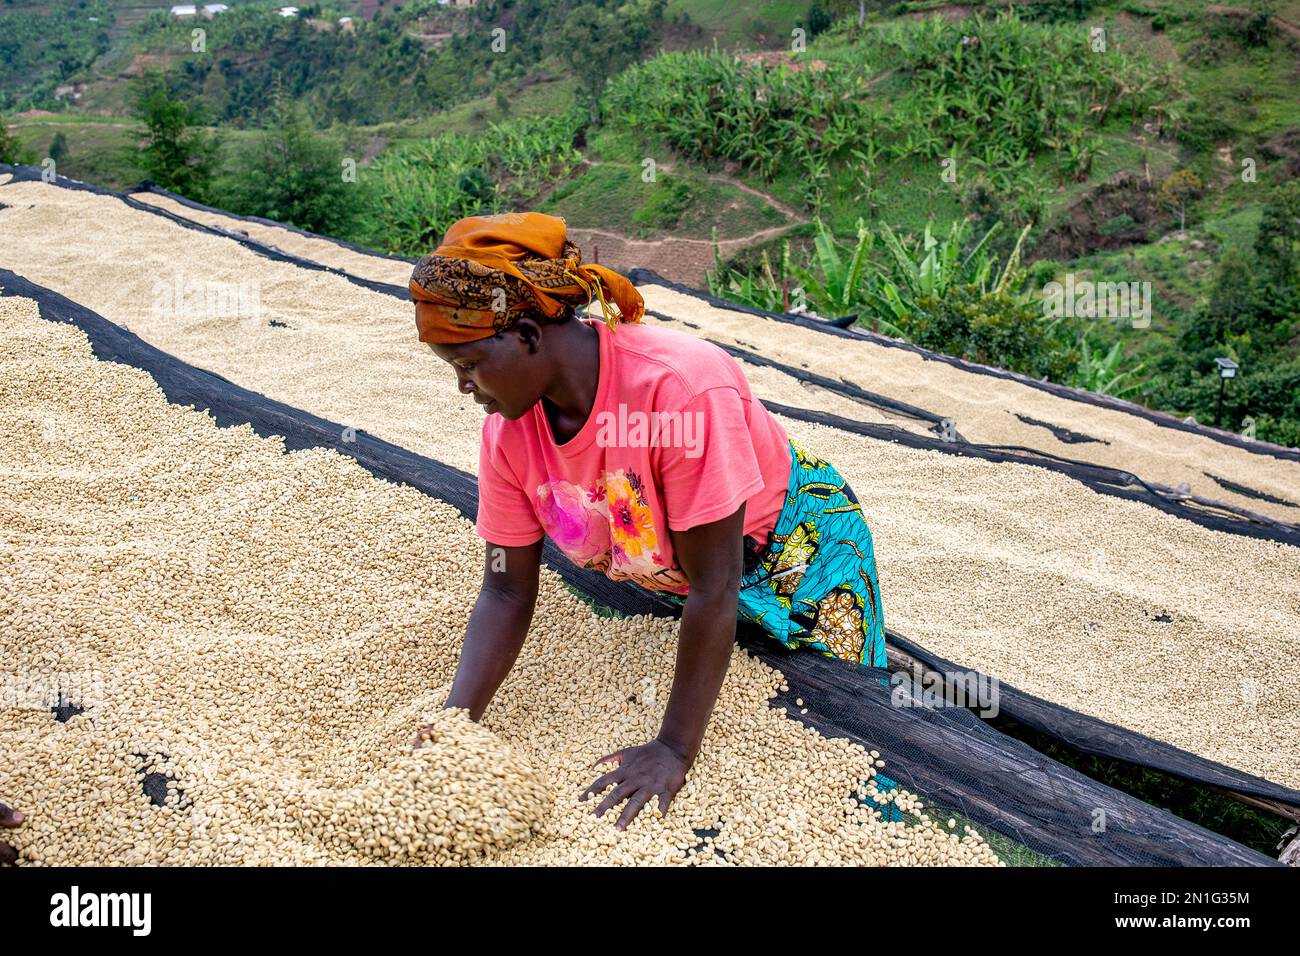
1100 478
946 754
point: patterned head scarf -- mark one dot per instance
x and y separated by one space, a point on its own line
491 270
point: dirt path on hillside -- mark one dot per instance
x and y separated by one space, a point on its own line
681 260
724 179
1290 29
676 258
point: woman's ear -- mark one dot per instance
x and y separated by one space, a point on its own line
530 332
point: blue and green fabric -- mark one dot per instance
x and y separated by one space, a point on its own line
815 585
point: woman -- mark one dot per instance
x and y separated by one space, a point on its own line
642 454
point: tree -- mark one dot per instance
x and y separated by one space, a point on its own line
1253 322
1278 241
11 151
293 174
1176 189
1257 26
177 154
1231 298
819 18
596 40
58 147
857 9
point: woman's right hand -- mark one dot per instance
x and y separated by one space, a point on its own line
425 732
9 818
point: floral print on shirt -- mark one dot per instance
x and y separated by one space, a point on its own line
610 528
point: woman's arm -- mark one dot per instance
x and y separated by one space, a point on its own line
711 556
497 626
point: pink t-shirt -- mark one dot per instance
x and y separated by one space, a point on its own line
674 440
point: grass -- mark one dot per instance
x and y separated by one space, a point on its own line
1235 226
103 149
762 24
1257 97
687 204
910 193
544 97
100 150
1250 90
610 145
1008 850
1167 265
1123 153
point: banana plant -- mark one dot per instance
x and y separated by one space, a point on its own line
838 286
1103 372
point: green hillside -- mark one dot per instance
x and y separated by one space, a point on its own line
930 170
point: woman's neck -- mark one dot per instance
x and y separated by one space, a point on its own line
569 398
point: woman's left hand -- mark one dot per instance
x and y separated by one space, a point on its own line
640 773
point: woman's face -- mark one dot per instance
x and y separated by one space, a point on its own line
503 373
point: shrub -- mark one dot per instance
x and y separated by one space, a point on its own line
177 154
993 328
1117 224
1277 242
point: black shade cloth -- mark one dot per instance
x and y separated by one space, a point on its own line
1074 729
1067 725
1249 492
1100 478
1062 434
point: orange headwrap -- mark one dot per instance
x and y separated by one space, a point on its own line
490 270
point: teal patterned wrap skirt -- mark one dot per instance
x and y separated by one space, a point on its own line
814 583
